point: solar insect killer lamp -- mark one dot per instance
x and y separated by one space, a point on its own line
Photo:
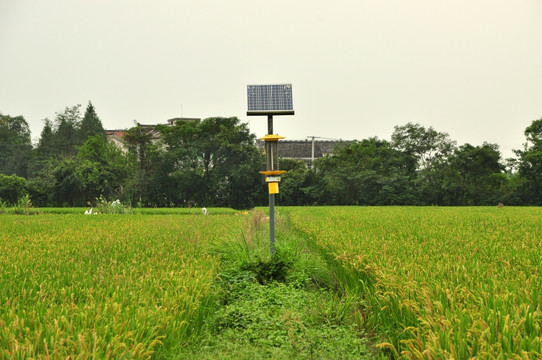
271 100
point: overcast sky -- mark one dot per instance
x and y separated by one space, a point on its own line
471 68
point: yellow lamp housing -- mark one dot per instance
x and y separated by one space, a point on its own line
272 154
273 188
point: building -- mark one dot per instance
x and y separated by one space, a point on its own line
303 150
117 136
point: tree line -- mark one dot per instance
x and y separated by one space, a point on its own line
214 162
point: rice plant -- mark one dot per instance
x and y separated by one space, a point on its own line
106 286
439 282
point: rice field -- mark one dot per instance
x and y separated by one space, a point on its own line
104 286
431 283
439 282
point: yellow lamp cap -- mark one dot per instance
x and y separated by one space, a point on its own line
270 137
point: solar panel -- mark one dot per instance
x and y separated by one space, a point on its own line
270 99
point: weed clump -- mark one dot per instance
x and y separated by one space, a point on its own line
277 268
112 207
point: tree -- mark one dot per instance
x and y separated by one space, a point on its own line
430 149
213 162
533 132
41 180
427 146
67 189
101 169
67 125
91 125
46 144
144 158
367 172
40 168
476 176
15 145
530 165
298 185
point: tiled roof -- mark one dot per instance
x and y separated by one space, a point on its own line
119 133
302 149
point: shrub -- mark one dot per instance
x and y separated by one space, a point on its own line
12 188
24 206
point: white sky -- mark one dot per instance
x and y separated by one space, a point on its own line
472 68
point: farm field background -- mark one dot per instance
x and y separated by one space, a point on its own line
429 282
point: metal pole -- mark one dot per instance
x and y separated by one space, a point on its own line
271 199
272 223
270 124
312 158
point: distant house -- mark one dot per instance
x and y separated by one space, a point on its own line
288 149
303 149
117 136
172 122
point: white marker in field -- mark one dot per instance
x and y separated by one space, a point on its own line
204 211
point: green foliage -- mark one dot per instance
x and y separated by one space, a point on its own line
41 180
277 268
66 128
427 146
69 130
278 321
368 172
214 162
102 169
90 126
12 188
298 184
476 175
46 144
530 165
24 206
15 145
99 169
67 189
533 132
143 185
59 175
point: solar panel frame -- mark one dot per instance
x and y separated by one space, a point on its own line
270 99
